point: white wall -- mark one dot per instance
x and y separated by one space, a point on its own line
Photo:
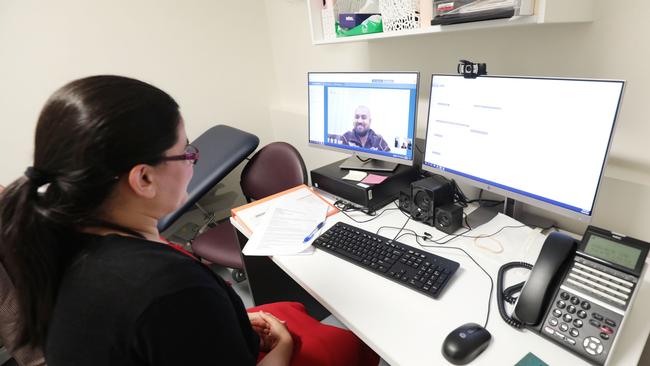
234 61
209 55
612 46
245 64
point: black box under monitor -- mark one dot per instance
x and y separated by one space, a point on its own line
329 178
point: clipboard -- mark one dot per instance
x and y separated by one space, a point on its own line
250 214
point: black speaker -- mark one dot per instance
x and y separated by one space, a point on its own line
426 195
449 218
405 201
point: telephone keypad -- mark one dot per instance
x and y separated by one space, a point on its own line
574 332
565 325
571 309
593 291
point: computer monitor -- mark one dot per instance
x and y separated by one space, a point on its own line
368 114
541 141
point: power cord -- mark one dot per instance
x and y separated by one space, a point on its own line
401 229
502 295
346 207
487 318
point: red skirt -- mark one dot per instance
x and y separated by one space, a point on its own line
316 344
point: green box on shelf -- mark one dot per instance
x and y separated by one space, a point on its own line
370 25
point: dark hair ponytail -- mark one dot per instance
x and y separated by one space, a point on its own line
89 133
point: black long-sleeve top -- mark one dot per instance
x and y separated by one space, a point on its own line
128 301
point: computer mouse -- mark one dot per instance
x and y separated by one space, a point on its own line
464 343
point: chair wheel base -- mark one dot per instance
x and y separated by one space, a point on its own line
238 275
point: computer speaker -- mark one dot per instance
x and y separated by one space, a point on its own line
405 201
426 195
449 218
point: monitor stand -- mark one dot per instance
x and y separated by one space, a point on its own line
356 163
512 208
515 210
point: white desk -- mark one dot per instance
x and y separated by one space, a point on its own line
406 328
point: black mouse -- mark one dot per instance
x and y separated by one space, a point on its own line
464 343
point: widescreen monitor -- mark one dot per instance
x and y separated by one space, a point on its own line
370 115
542 141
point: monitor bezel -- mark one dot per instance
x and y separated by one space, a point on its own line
579 216
366 154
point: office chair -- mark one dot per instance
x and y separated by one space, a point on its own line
276 167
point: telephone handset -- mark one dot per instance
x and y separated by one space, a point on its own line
555 256
578 294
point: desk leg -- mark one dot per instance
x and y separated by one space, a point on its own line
269 283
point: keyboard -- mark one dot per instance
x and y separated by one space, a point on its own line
416 269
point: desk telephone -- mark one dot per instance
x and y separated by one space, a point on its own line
578 294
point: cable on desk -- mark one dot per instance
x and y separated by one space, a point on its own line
459 196
402 228
480 200
346 207
487 318
428 237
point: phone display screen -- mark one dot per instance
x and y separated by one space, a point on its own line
612 251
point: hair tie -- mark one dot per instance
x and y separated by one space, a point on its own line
37 177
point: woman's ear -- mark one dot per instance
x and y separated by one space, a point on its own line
142 181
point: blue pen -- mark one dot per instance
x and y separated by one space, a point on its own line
311 235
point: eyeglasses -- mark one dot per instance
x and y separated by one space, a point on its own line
191 154
361 116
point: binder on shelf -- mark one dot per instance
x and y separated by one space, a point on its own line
250 215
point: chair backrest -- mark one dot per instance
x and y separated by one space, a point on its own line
274 168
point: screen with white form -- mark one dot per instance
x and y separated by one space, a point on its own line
363 112
543 139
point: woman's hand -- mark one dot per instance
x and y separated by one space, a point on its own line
262 328
271 330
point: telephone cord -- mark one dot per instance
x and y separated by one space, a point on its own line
506 295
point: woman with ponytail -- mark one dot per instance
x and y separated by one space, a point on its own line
9 322
94 282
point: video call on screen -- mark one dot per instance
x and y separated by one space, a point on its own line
364 112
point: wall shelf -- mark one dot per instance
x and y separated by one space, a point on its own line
546 12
